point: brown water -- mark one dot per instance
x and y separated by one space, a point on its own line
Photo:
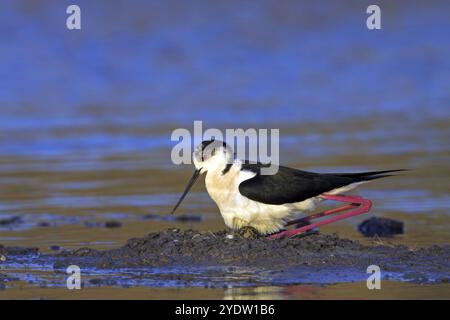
72 197
85 135
389 290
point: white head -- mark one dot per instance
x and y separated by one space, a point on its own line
210 155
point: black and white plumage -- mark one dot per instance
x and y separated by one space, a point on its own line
245 197
291 185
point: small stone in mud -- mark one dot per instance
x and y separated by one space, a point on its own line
381 227
113 224
11 221
185 218
44 224
83 252
102 282
152 216
248 233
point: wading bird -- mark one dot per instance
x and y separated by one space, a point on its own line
267 203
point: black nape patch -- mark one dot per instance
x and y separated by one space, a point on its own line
206 143
227 168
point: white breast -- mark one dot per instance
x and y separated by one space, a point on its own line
239 211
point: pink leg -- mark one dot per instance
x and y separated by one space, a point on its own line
364 206
322 214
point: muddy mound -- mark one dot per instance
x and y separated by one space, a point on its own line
218 258
175 247
193 248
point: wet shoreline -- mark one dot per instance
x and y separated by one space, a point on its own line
190 258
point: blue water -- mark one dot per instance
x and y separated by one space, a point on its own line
143 63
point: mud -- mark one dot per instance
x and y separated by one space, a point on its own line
197 257
113 224
312 253
3 281
16 251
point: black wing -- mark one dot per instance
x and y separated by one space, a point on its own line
291 185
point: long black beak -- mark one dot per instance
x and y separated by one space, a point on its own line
188 187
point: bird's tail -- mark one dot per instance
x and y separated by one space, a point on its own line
367 176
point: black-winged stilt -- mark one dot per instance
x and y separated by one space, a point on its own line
246 198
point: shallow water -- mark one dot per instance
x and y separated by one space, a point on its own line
86 117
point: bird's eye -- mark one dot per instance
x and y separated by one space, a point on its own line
208 153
